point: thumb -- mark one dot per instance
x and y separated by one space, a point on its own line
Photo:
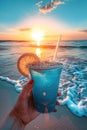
28 87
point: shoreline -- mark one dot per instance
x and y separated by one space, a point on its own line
47 46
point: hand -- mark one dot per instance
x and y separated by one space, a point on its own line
24 109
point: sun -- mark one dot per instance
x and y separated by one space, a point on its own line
37 35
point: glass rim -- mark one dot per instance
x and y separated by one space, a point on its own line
45 65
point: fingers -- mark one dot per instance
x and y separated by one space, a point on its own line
31 81
46 110
30 96
57 103
31 100
55 110
59 94
28 87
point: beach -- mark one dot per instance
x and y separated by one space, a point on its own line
73 85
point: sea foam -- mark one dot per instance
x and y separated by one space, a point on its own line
73 86
18 84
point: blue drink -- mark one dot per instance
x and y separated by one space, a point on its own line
46 77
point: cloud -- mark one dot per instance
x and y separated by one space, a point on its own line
24 29
85 31
50 6
58 2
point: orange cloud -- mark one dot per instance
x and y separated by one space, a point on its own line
84 31
50 6
24 29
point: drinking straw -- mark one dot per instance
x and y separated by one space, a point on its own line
55 53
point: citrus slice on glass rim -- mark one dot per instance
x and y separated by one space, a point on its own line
24 61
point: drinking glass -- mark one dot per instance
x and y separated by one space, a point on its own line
46 76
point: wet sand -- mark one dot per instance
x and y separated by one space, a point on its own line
63 119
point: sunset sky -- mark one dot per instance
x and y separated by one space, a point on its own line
20 18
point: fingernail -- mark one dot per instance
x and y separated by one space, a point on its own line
55 110
57 103
31 81
59 93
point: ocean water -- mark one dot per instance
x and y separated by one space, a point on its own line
73 81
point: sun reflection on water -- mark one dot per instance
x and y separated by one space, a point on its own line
38 43
38 52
